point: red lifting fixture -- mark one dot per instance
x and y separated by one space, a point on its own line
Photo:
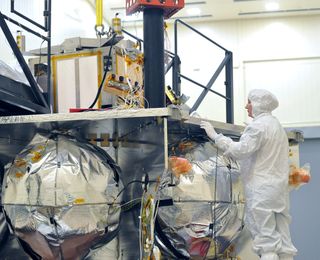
170 7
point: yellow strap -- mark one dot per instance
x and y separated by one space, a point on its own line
99 12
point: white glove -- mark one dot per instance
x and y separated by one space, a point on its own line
209 129
195 114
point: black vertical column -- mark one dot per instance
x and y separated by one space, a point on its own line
229 88
153 31
47 21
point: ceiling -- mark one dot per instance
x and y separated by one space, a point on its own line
215 10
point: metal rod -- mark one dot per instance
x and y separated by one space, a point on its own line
202 86
168 67
33 84
191 28
210 83
198 201
176 81
169 52
25 17
153 30
24 27
141 41
45 14
165 136
176 64
229 89
134 37
21 103
48 7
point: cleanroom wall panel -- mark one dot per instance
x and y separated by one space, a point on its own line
279 38
296 84
66 80
88 80
305 213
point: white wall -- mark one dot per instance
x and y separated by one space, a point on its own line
279 54
283 56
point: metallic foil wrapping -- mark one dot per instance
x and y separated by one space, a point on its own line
12 73
207 211
60 196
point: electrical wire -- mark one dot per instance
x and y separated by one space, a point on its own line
40 54
156 210
129 183
105 73
132 98
130 204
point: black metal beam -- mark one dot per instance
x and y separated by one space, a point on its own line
33 84
202 86
169 66
176 81
14 11
196 31
229 89
47 14
25 27
20 105
16 89
153 31
210 83
134 37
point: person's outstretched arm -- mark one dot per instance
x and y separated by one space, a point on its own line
249 142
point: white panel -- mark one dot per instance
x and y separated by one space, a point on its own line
213 106
72 18
88 78
280 38
239 98
294 82
66 85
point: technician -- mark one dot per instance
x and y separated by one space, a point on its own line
263 154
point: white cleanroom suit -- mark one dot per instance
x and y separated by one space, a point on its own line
263 154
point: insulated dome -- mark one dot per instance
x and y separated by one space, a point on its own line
60 196
207 211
